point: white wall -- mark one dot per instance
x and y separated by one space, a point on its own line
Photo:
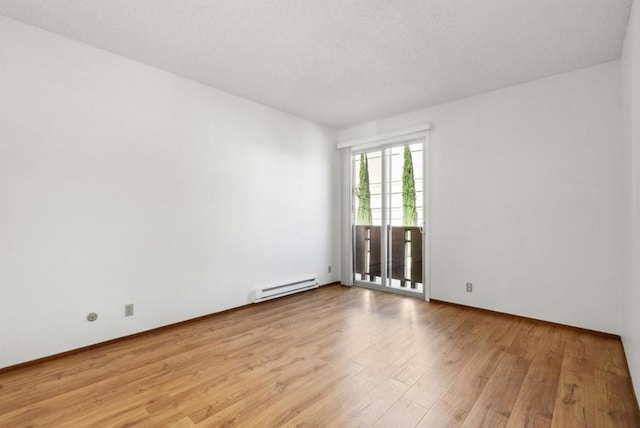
121 183
631 96
526 197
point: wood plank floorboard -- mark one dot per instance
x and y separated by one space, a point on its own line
337 357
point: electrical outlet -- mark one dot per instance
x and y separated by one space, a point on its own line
128 310
469 287
329 269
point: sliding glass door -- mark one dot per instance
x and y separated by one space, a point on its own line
387 218
368 213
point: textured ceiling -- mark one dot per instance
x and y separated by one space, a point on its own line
344 62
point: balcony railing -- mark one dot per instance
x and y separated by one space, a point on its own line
405 255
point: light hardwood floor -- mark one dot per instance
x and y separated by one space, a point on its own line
335 356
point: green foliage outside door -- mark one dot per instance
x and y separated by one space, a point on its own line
409 213
364 193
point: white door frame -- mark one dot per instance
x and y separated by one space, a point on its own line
382 142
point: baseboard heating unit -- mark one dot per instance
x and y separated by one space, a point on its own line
272 291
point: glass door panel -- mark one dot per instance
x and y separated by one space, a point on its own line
405 205
388 213
368 212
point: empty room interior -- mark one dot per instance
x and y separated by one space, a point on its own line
320 213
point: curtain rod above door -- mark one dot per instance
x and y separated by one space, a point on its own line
407 132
